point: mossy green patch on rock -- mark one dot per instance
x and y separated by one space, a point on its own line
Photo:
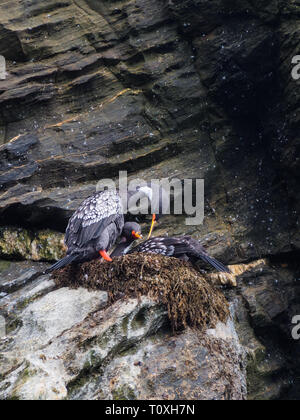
15 243
255 376
4 265
123 392
48 246
13 325
20 243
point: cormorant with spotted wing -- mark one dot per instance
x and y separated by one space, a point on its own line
183 247
94 229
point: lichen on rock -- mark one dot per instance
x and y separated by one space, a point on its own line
19 243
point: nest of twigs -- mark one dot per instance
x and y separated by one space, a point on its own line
189 296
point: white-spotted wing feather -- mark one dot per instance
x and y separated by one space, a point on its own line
92 216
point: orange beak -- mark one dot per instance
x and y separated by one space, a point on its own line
152 225
136 235
105 255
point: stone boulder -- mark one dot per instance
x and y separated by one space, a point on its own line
75 343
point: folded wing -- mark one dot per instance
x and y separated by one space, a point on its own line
92 217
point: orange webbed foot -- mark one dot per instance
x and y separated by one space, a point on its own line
105 255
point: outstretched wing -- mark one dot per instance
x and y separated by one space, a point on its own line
197 250
159 245
178 246
92 217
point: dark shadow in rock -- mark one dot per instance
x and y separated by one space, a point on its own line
32 216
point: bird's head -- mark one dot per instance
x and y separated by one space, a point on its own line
131 232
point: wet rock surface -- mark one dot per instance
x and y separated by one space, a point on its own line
186 89
174 368
266 300
68 344
161 88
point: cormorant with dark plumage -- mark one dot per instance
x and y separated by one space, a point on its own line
94 229
183 247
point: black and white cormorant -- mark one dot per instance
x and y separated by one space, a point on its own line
130 233
94 228
183 247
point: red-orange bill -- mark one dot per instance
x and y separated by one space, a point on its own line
136 235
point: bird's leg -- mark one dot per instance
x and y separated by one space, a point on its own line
105 255
152 225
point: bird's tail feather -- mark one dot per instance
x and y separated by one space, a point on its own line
215 263
61 263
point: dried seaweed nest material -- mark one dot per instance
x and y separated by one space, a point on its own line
191 299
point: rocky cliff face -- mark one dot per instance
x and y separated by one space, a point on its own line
71 343
161 88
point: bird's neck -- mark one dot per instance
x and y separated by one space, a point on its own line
121 249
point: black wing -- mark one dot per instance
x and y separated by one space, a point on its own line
92 217
197 250
158 245
178 246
